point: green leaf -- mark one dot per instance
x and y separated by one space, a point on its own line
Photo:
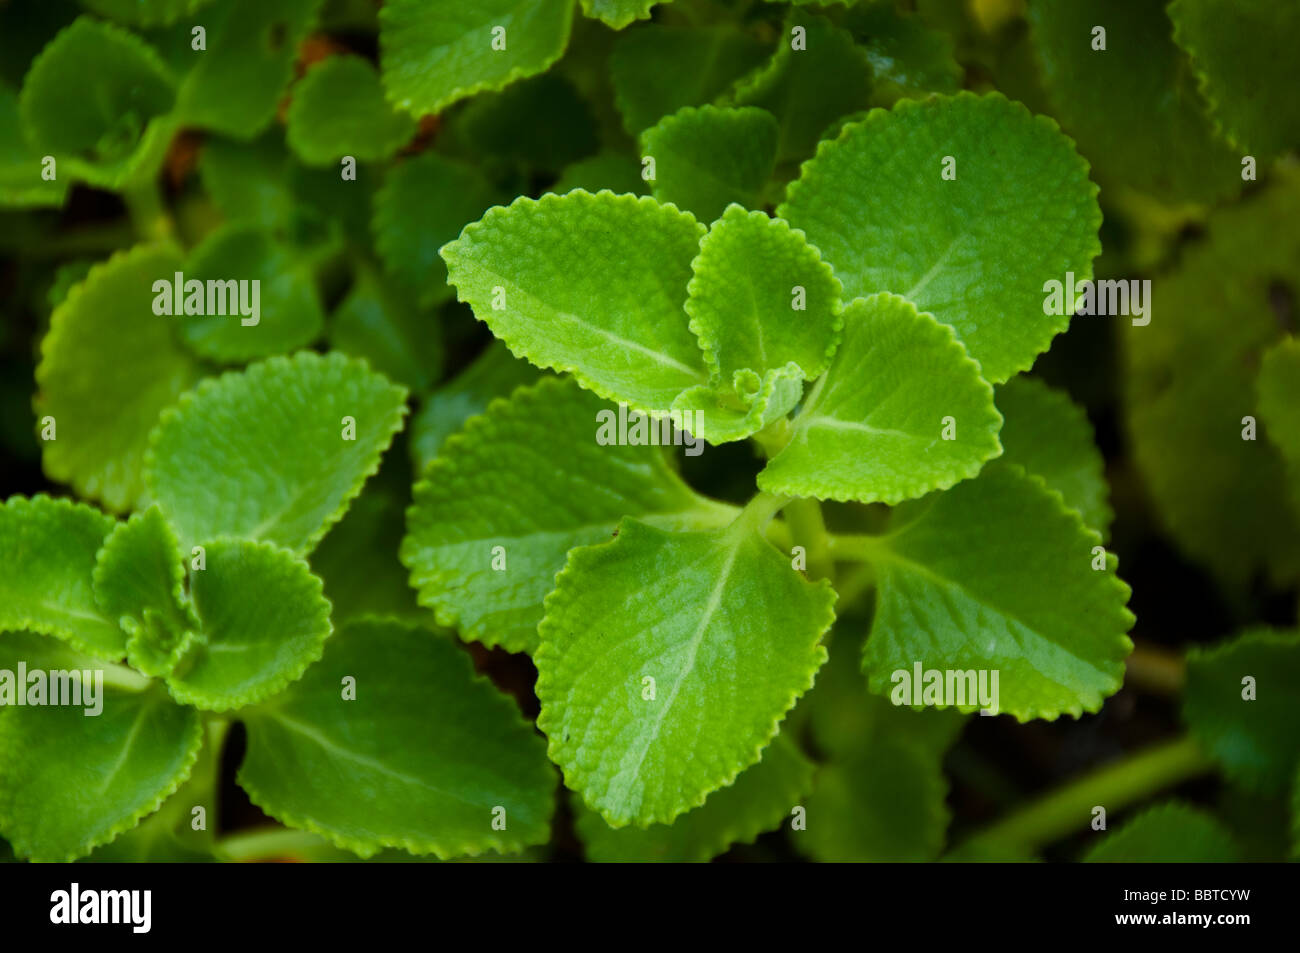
339 109
539 124
722 414
435 52
1279 406
1240 51
264 620
429 751
1167 833
283 469
975 250
619 13
494 373
115 134
612 171
907 57
370 535
1050 436
70 780
874 426
378 322
743 305
139 581
730 635
707 157
21 181
1133 107
282 313
469 502
881 795
1249 728
48 550
1189 382
145 12
247 180
615 320
423 204
809 88
761 798
996 575
236 84
108 368
656 70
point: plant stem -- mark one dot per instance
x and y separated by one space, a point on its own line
851 586
1113 787
148 214
1157 670
773 438
260 845
808 529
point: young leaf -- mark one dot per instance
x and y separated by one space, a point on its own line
1167 833
434 754
1190 390
809 87
707 157
232 327
299 436
1279 406
109 366
1240 51
435 52
614 321
483 548
965 240
379 322
1105 98
1050 436
494 373
901 411
48 550
619 13
21 181
114 134
139 582
656 70
424 203
236 83
129 757
759 800
760 297
1240 704
264 620
722 414
996 574
339 109
667 661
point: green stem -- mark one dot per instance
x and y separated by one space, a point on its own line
808 529
773 438
150 217
1157 671
852 547
852 585
261 845
758 512
1113 787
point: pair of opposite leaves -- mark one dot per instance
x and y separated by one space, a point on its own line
595 285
